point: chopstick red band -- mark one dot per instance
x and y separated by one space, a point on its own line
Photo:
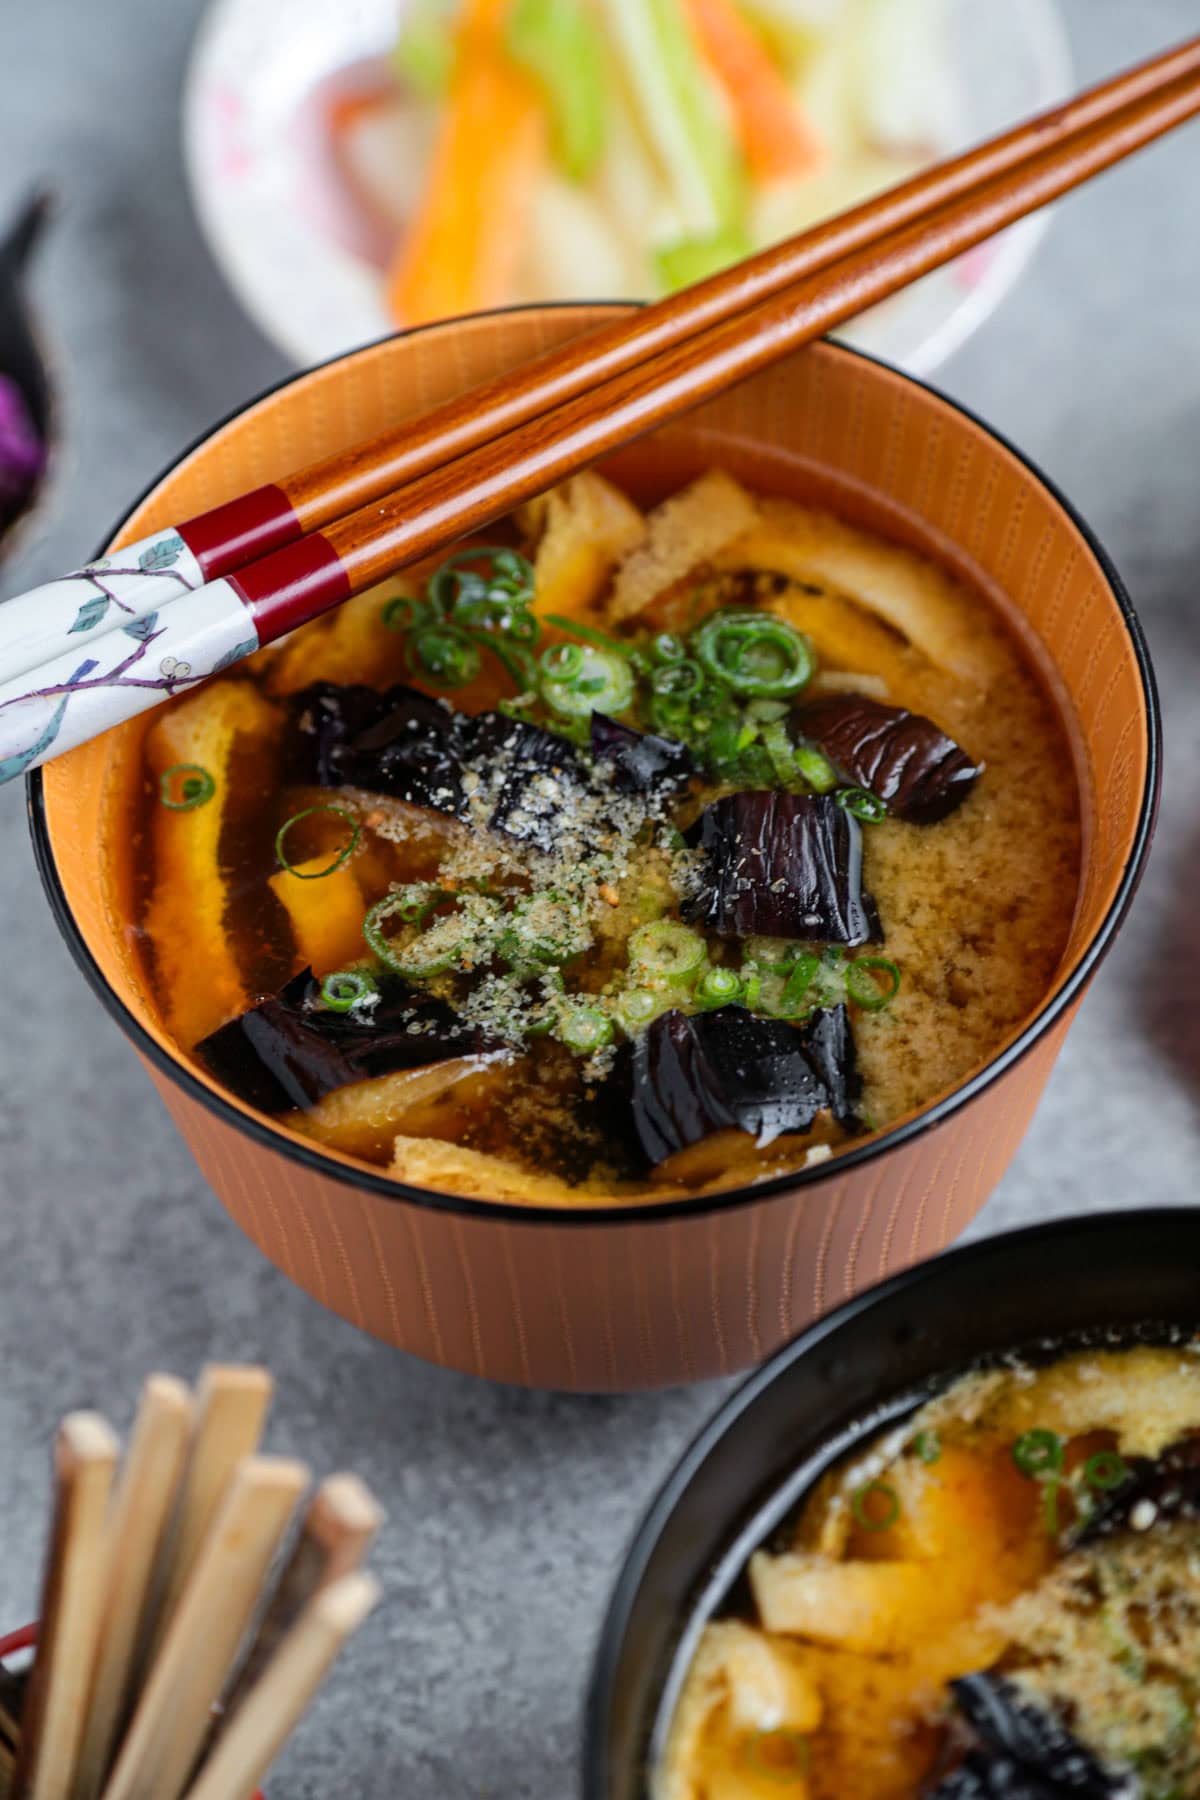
241 530
294 584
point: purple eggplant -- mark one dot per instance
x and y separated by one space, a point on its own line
290 1050
1155 1492
688 1076
26 402
418 749
641 762
782 866
1019 1752
900 756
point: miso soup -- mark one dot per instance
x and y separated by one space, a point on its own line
634 850
999 1598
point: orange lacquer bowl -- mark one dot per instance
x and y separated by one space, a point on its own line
610 1298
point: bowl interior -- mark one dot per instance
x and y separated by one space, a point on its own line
828 425
1122 1278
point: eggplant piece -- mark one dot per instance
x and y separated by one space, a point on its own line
400 742
901 756
290 1051
688 1076
26 400
1157 1490
1020 1752
534 778
415 748
641 762
782 866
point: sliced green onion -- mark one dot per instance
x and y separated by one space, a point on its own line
584 1029
928 1446
1038 1452
778 746
509 586
637 1007
590 634
864 989
562 662
796 986
443 654
185 786
1105 1470
412 904
603 683
540 932
667 952
718 987
343 855
346 990
402 612
679 680
762 1755
754 653
861 1506
863 804
815 768
667 648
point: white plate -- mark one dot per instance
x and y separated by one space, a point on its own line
269 204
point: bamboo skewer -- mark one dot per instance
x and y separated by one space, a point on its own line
212 1617
67 700
216 543
85 1458
141 1513
273 1705
189 1543
339 1528
231 1408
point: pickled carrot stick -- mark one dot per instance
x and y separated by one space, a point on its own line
777 140
462 249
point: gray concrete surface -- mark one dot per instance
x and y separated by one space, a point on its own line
509 1511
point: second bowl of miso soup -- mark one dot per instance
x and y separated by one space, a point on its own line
962 1557
630 901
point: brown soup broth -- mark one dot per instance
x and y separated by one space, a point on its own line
975 906
1013 1570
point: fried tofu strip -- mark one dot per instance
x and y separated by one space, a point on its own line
326 912
583 528
905 590
682 534
198 973
366 1119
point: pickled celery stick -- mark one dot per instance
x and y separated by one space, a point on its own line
558 43
198 972
424 54
681 112
681 264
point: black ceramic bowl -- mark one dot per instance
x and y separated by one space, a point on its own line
1117 1278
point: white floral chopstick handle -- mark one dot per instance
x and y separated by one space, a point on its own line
81 692
116 590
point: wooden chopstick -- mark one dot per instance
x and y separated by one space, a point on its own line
274 1704
142 1506
339 1528
364 547
259 601
85 1458
327 489
212 1617
231 1408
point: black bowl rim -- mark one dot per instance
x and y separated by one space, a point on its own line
515 1212
657 1516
